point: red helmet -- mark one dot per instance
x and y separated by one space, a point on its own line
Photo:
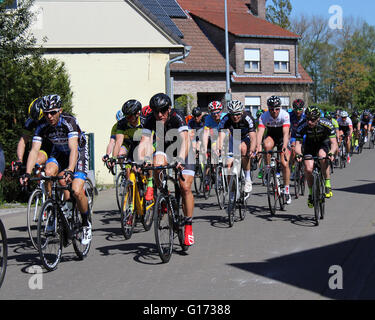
215 106
146 110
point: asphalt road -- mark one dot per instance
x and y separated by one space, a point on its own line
263 257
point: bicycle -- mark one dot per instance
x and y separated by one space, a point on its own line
168 220
318 189
111 164
208 174
299 179
342 153
237 198
372 139
198 176
133 203
221 185
275 188
56 230
3 252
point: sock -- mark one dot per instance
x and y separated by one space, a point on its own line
149 182
287 189
188 221
247 174
85 220
328 183
310 191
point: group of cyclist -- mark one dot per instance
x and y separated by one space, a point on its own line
143 135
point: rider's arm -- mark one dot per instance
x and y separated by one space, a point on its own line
220 141
260 133
118 144
184 151
206 131
21 147
33 156
110 146
298 146
334 146
73 155
253 141
285 136
145 148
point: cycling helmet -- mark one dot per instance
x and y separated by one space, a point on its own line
344 114
36 109
274 102
196 112
328 115
298 104
119 115
355 114
259 113
235 107
131 107
312 112
215 106
366 113
146 110
52 101
160 102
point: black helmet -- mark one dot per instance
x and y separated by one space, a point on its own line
298 104
52 101
131 107
160 102
36 109
196 112
274 102
312 112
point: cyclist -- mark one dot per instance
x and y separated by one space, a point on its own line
35 116
320 141
296 117
2 162
258 115
195 126
356 127
161 104
277 122
125 142
112 139
238 119
69 155
366 123
211 123
346 130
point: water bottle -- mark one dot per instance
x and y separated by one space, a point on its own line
278 181
67 209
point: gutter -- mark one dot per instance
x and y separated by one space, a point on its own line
168 82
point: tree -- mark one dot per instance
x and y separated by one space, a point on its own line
24 76
279 12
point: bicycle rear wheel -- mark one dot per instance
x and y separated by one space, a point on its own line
322 197
80 249
3 252
207 181
33 207
147 217
127 211
232 200
50 240
163 227
242 207
90 192
271 191
297 182
120 184
198 179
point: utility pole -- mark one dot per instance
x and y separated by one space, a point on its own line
228 94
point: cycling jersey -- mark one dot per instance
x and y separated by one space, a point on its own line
192 124
347 123
294 122
210 123
113 131
125 128
366 121
335 123
29 128
59 135
355 122
323 130
246 125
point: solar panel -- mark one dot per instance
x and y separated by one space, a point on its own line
172 8
158 11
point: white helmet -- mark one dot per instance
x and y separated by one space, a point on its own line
344 114
235 106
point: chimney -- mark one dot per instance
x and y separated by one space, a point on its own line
258 7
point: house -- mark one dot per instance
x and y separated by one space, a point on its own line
263 57
113 50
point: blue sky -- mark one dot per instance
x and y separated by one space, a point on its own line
356 8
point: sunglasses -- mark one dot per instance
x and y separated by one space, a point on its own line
52 113
312 119
162 110
236 114
274 109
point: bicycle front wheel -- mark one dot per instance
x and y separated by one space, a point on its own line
80 249
33 207
120 184
163 227
220 187
232 200
207 181
198 179
3 252
127 211
317 200
271 191
50 239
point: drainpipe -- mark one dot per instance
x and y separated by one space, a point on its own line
168 84
296 54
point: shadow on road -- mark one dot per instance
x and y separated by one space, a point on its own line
368 188
310 269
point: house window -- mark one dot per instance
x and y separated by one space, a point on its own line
285 102
252 60
252 105
281 60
